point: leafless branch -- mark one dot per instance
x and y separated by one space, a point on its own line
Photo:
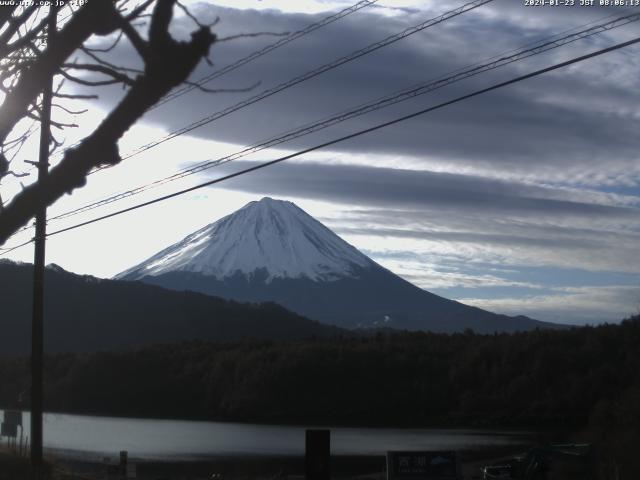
88 83
109 64
17 175
16 22
90 67
62 125
55 144
6 13
137 12
7 144
194 19
69 111
85 22
109 48
23 41
168 63
75 96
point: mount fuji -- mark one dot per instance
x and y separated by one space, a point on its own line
271 250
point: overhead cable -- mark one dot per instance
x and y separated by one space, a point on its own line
353 135
363 109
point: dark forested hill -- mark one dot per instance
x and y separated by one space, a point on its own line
554 378
86 314
582 380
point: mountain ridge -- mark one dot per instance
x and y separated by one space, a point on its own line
85 314
271 250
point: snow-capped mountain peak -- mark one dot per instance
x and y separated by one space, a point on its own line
271 236
272 251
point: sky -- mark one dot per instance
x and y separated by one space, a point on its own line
524 200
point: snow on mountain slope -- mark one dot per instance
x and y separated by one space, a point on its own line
269 235
272 251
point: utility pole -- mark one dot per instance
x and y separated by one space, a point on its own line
37 324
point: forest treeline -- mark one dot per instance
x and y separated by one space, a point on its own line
559 378
583 381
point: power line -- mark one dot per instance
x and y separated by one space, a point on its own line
269 48
311 74
252 56
354 135
403 95
341 139
308 75
257 54
6 251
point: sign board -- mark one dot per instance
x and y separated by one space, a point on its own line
426 465
13 417
9 430
131 471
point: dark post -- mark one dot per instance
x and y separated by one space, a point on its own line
123 462
317 460
37 324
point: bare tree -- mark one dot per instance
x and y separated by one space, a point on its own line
27 63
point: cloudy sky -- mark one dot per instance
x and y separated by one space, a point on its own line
525 200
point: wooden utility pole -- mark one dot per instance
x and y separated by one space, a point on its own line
37 324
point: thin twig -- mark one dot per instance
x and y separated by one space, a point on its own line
110 47
109 64
136 13
70 112
96 83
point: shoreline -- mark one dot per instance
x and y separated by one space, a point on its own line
246 467
524 428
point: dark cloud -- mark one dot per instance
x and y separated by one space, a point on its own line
475 238
555 122
512 221
398 188
488 229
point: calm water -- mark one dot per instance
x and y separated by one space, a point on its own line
96 437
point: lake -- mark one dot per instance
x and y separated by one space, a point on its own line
91 437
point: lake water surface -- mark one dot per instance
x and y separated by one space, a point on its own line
96 437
